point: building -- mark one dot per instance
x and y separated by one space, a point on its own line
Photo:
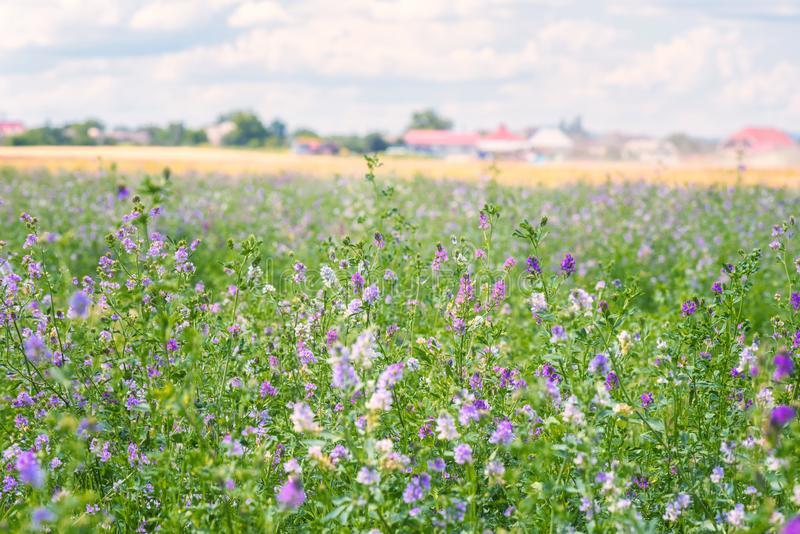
757 140
133 137
441 143
650 150
313 145
550 144
502 144
9 128
217 132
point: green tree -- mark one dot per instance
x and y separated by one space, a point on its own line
374 142
429 119
248 131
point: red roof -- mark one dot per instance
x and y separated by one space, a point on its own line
502 134
759 139
439 138
11 127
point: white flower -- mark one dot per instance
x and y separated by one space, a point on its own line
328 276
446 427
384 446
268 288
572 412
303 418
381 400
736 516
796 496
538 303
717 474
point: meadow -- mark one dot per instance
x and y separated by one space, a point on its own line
372 354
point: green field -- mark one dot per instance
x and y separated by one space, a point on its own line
194 353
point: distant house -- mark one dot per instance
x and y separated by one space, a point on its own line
9 128
313 145
502 144
217 132
441 143
133 137
650 150
755 140
550 143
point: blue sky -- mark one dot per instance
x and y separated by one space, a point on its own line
647 66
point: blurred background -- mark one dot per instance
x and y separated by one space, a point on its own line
671 82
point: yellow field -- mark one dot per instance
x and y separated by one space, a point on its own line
255 162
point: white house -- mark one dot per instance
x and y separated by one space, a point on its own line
550 143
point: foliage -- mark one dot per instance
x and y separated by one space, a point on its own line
429 119
197 354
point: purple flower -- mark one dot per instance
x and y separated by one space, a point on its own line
417 488
781 416
568 264
371 293
784 366
36 350
532 265
503 434
291 494
717 287
30 472
795 300
793 526
647 399
41 515
80 303
612 381
462 454
599 363
688 308
437 464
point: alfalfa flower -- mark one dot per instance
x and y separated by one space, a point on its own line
781 416
303 419
462 454
291 494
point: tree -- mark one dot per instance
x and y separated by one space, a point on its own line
374 142
428 119
248 131
277 130
46 135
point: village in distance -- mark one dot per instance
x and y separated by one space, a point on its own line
429 134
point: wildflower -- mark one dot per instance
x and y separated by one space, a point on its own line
368 476
717 474
462 454
647 399
572 412
503 434
688 308
446 427
79 304
303 419
568 264
371 293
784 366
494 472
795 300
417 488
29 469
291 494
781 416
599 363
36 350
736 516
532 265
676 508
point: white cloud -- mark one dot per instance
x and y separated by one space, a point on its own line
165 15
257 13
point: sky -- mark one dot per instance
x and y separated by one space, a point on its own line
640 66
